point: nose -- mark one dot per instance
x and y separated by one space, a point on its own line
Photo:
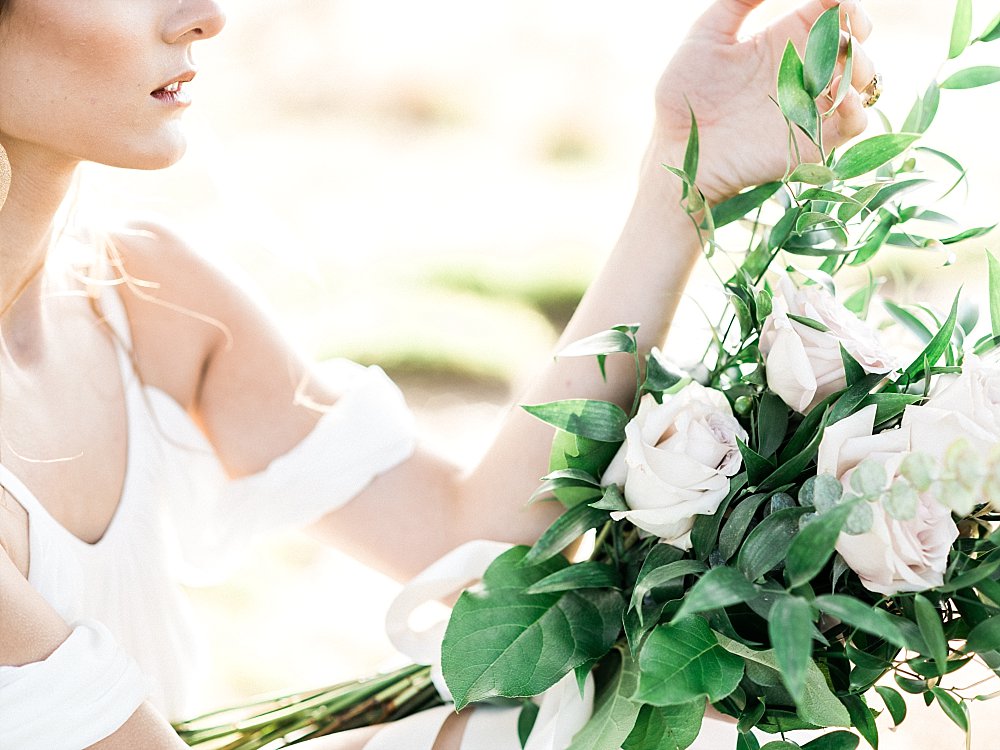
192 20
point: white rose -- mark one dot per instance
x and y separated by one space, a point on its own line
804 365
895 555
975 395
676 461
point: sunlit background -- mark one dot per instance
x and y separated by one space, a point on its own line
430 186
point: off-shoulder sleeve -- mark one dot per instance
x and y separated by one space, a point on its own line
83 692
367 432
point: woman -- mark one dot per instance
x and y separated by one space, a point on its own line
108 488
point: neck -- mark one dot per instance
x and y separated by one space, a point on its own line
38 187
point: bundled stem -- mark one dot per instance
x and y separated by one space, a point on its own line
285 720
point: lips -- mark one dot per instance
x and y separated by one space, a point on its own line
174 88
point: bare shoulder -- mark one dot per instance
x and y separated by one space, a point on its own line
181 306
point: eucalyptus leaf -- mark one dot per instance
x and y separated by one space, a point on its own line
961 28
822 48
812 546
818 707
566 529
971 78
501 641
859 615
929 622
793 98
767 545
597 420
606 342
872 153
741 204
812 174
583 575
655 577
719 587
789 628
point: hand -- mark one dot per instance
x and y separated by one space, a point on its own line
727 80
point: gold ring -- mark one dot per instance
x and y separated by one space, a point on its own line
872 91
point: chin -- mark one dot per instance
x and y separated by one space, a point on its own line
163 155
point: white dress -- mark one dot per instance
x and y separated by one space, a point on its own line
179 520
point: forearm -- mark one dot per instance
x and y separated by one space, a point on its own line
641 282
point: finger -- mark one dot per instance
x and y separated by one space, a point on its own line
725 17
854 17
849 120
863 69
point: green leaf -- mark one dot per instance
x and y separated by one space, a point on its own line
812 174
929 622
893 702
612 499
793 99
822 49
968 234
682 662
719 587
666 727
576 452
655 577
747 742
994 276
790 626
614 714
971 78
862 718
756 465
985 636
834 741
583 575
819 706
954 710
570 526
864 617
909 321
872 153
852 368
936 346
772 423
782 230
767 545
659 377
562 479
706 527
741 204
812 547
961 28
991 32
691 152
780 745
606 342
738 523
502 641
597 420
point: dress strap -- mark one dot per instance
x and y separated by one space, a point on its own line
20 492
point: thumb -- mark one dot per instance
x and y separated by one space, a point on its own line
726 17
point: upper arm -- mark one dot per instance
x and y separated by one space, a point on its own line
30 631
208 343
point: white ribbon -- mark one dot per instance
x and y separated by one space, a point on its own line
562 710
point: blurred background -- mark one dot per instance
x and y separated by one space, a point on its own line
430 186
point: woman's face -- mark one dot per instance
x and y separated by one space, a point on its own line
98 80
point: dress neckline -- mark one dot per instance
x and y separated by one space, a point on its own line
114 315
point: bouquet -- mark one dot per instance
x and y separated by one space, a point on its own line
803 522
